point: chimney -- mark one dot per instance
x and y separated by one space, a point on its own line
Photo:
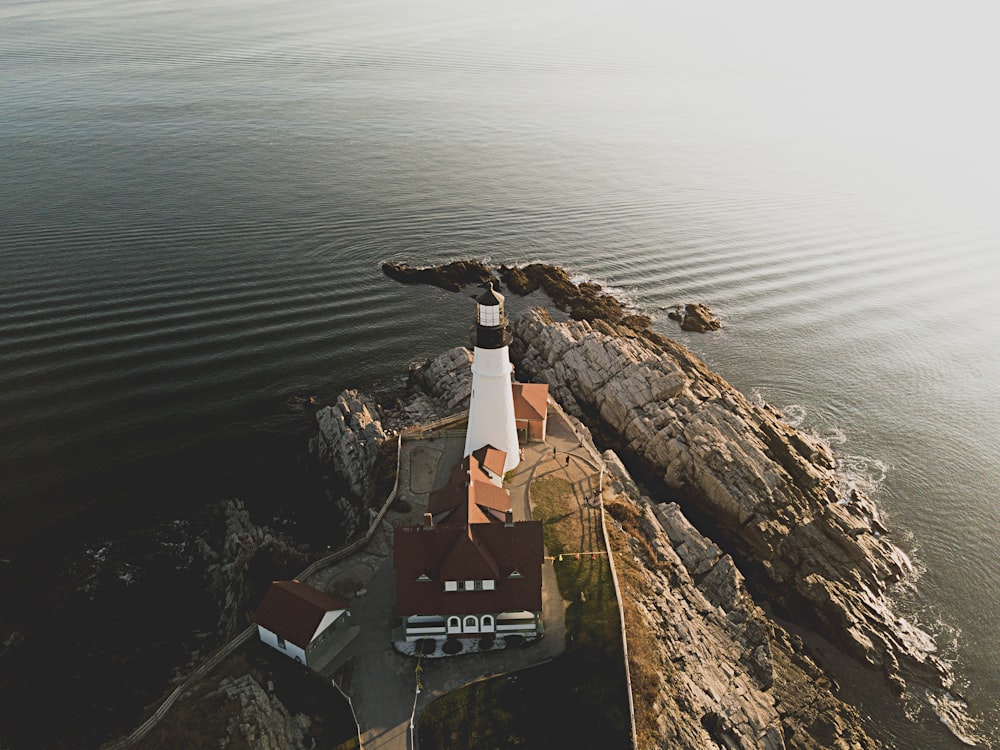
508 517
428 521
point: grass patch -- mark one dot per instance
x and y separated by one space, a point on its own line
577 700
648 671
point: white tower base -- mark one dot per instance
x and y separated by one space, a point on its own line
491 409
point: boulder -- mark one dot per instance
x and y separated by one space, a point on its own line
447 379
695 317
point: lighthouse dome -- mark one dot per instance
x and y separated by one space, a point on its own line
491 297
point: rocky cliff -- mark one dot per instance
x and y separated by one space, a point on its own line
350 433
771 491
709 669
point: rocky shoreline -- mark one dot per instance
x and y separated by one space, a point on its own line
709 667
817 552
773 492
733 495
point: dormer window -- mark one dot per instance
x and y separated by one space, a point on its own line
473 585
515 574
423 577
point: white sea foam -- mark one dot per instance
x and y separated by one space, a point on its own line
953 712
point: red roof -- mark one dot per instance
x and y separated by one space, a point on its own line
486 551
293 610
469 560
531 400
470 496
489 458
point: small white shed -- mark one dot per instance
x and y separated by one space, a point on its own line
300 621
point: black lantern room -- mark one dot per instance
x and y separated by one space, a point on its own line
491 330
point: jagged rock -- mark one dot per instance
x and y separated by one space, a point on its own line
709 668
452 276
263 720
447 378
227 569
772 490
349 438
695 317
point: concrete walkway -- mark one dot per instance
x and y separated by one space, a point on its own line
381 682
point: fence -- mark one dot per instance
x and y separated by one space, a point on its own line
598 462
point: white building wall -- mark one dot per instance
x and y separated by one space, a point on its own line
491 409
328 619
290 649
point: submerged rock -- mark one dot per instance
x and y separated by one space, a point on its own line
695 317
771 490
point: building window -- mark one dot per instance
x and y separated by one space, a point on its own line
454 624
471 624
489 585
281 643
487 625
470 585
489 315
451 585
479 585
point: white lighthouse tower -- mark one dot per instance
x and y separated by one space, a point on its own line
491 409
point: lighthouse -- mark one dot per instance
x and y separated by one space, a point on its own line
491 409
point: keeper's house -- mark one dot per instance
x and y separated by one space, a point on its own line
300 621
470 571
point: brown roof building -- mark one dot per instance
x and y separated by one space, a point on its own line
298 620
473 493
470 570
494 568
531 410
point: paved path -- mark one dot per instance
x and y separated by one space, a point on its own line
380 681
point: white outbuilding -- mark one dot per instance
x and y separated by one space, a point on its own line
299 620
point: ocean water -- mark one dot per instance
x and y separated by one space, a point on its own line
195 198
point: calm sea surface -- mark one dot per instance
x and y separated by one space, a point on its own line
195 198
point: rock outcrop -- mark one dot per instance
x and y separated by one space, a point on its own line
772 491
227 569
584 301
447 379
350 433
263 721
452 276
709 669
695 317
